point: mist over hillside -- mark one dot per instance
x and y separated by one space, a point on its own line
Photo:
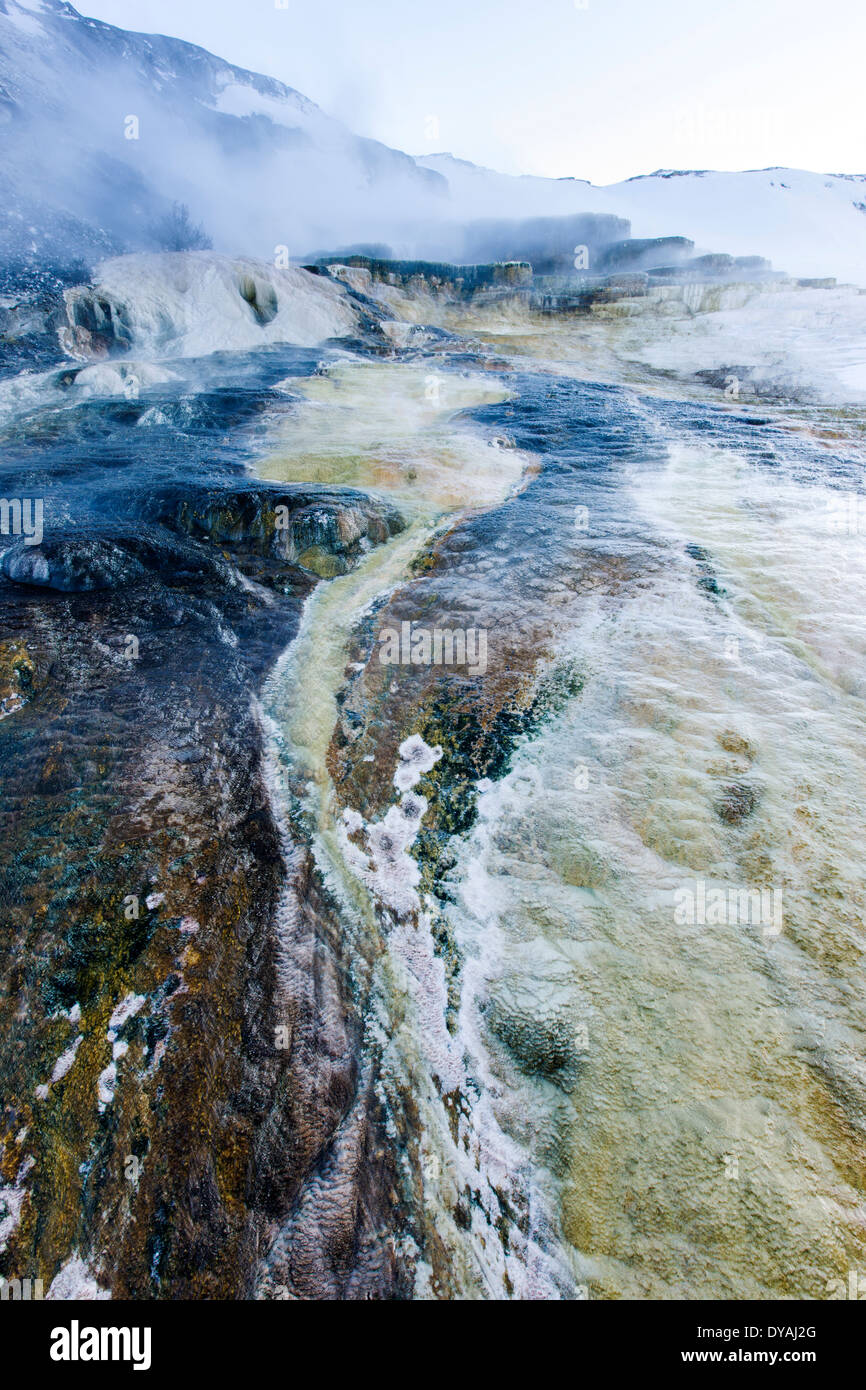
806 223
109 128
105 130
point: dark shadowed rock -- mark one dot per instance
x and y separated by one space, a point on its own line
71 566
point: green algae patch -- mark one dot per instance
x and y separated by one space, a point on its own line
321 563
18 677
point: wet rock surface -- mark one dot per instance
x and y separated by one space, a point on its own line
33 310
198 1096
157 1123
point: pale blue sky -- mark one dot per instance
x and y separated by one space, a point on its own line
615 88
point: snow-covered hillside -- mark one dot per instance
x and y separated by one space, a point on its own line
808 224
108 128
102 130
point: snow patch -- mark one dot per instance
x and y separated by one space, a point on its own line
64 1062
238 99
25 23
416 758
105 1086
382 860
129 1006
76 1281
191 304
12 1202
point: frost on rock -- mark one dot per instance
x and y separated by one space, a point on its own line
416 758
105 1085
458 1150
381 860
128 1007
64 1062
377 852
76 1281
412 945
12 1197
